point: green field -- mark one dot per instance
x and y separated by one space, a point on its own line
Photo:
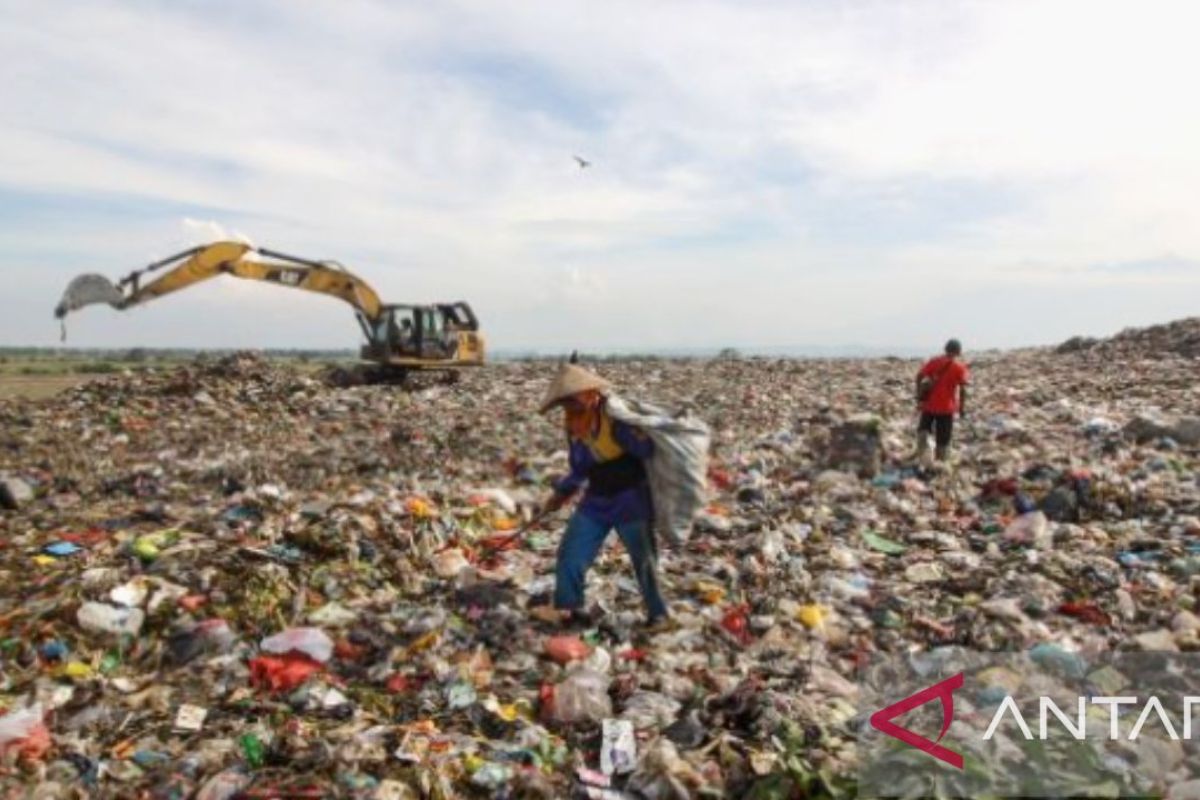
36 376
41 373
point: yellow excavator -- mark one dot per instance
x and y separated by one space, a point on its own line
401 338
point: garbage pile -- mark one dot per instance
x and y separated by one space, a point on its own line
1179 338
234 580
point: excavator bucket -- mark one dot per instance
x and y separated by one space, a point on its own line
87 290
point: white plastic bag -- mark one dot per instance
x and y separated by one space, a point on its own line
582 697
313 642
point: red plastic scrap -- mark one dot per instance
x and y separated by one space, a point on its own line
546 700
720 478
500 542
737 622
282 673
1000 487
85 538
633 654
400 684
346 650
1086 612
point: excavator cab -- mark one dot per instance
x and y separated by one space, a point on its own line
423 337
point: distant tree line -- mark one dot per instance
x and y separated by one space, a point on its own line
139 355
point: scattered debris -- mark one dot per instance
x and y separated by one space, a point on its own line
277 587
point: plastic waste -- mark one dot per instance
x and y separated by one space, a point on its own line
618 748
312 642
565 649
265 499
253 750
282 673
211 636
24 732
190 718
449 563
103 618
737 623
650 710
581 697
1031 529
224 785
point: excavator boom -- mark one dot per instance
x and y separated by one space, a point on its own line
231 258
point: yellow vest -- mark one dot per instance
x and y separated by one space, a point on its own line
603 444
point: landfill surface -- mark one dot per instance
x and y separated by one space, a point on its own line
237 580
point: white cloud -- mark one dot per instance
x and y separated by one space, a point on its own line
771 168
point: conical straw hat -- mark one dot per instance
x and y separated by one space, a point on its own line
572 379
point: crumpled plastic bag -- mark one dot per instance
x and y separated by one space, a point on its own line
650 710
312 642
1030 529
663 775
582 697
24 732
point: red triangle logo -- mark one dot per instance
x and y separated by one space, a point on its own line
882 720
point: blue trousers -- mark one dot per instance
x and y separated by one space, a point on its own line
581 545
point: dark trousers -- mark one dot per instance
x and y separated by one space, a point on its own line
940 425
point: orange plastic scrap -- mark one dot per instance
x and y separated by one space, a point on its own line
36 744
503 523
282 673
33 747
192 602
426 641
424 727
124 749
565 649
420 508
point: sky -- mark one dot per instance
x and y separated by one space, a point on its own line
764 173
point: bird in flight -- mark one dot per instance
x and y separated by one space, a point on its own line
583 164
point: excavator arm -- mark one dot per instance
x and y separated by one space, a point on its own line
399 337
223 258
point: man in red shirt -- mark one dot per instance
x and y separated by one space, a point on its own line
941 391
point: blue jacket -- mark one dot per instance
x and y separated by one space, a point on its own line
613 441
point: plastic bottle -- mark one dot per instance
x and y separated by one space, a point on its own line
252 749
